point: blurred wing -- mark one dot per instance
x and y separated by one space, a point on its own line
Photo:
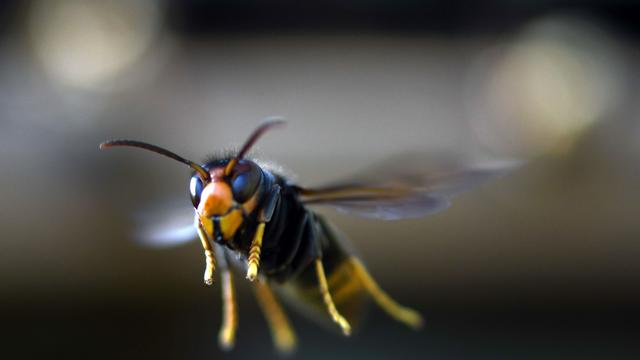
409 208
165 225
407 195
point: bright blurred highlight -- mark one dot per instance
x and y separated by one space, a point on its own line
558 78
89 44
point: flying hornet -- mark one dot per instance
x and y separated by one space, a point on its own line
251 218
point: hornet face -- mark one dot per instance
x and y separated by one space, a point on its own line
224 201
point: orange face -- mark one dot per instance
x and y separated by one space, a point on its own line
216 200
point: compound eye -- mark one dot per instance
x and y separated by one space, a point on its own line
195 189
245 181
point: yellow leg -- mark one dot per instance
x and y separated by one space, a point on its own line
209 254
227 335
403 314
326 296
254 253
284 338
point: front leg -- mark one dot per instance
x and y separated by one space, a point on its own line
254 253
264 216
209 254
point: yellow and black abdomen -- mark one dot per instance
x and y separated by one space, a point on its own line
293 239
345 286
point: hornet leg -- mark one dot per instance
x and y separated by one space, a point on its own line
254 253
284 338
227 334
403 314
264 216
328 301
209 254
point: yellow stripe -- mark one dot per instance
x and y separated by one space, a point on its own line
342 282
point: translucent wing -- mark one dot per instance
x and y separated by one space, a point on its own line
411 207
165 225
404 194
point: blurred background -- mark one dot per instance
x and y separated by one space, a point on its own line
542 263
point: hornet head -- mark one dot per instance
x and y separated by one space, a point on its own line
223 192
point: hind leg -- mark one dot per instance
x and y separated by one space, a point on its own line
328 300
403 314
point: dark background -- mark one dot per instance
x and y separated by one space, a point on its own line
542 263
